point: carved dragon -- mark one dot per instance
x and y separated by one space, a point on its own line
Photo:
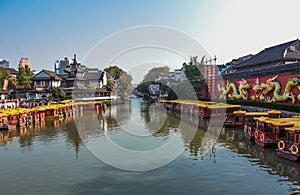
233 92
271 84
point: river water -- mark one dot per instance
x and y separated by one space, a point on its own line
58 158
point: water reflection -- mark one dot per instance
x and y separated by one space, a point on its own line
158 123
265 158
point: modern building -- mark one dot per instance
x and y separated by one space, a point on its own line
4 63
24 62
61 65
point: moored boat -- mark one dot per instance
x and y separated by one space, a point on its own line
54 112
249 123
217 110
4 125
269 131
288 147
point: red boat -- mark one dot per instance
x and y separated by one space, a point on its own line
4 125
269 131
249 123
211 109
288 147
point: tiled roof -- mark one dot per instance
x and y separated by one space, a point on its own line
11 70
52 74
93 76
266 71
268 55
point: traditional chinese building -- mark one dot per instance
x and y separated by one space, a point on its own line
43 83
272 75
81 79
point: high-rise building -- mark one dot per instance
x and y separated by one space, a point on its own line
60 65
24 62
4 63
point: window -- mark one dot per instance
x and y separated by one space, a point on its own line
291 137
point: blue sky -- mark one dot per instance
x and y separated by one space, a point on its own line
46 30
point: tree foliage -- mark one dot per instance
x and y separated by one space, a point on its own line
5 75
190 86
23 76
118 79
193 69
195 83
59 92
155 73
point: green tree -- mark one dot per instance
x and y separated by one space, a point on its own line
59 92
23 76
195 82
151 76
118 79
113 74
155 73
143 87
5 75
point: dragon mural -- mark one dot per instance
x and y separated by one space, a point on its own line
269 91
273 85
232 92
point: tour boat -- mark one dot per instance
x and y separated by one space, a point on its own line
217 110
54 112
22 121
241 118
4 123
249 124
269 131
288 147
13 118
34 116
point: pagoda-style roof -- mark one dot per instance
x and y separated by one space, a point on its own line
11 70
270 56
271 70
46 75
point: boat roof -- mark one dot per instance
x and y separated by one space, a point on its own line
206 104
296 127
274 112
256 114
241 112
267 119
279 121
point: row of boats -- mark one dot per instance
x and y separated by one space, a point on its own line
19 117
266 129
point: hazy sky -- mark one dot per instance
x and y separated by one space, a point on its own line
46 30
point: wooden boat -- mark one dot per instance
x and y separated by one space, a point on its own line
244 119
34 116
241 118
288 147
203 109
4 125
217 110
269 131
22 120
13 118
54 112
42 114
